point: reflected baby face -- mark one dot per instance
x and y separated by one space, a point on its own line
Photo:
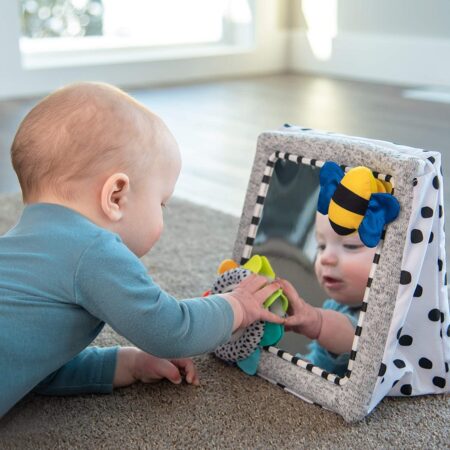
342 263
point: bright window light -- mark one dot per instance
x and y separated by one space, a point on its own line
168 22
64 26
321 21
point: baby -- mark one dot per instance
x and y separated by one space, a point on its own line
96 169
342 268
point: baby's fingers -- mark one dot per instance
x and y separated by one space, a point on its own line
190 371
288 289
271 317
263 294
253 282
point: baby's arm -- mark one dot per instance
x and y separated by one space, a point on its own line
331 329
99 370
114 287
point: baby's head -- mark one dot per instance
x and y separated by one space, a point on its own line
342 263
91 147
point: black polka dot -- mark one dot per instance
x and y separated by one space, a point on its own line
382 380
418 291
425 363
439 382
406 389
445 280
431 237
416 236
399 363
446 367
426 212
434 315
395 382
436 182
431 159
440 264
415 182
442 317
448 331
440 211
405 277
399 332
405 340
382 370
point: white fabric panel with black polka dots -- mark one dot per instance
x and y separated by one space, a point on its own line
417 352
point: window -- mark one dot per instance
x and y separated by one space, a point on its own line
68 29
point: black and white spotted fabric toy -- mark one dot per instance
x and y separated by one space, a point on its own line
417 352
244 347
244 342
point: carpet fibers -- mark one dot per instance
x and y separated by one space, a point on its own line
229 409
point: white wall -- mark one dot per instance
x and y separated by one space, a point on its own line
400 42
268 55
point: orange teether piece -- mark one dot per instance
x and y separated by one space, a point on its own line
226 265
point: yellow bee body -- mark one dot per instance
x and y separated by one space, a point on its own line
349 202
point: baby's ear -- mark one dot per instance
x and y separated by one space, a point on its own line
113 196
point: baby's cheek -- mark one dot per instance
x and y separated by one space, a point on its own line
317 268
156 232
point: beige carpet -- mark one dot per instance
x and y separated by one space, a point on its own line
229 409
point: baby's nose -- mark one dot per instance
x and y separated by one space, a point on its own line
328 257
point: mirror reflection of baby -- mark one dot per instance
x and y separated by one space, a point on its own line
342 267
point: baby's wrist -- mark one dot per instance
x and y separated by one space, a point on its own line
313 322
124 374
238 310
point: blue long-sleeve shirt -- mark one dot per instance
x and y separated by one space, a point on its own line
62 277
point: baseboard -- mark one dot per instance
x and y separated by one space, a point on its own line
266 57
393 59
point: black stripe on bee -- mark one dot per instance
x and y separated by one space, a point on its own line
342 231
350 201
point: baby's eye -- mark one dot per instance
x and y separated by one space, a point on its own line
352 246
163 205
320 247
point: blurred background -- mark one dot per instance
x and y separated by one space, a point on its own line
220 72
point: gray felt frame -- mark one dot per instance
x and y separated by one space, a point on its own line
350 398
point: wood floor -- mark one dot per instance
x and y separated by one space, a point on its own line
217 124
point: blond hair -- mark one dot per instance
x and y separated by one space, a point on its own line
78 132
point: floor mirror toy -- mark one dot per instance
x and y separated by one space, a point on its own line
401 344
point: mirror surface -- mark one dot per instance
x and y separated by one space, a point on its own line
287 236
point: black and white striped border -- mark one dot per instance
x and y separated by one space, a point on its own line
256 218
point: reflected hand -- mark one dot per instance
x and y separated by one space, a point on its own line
247 300
303 318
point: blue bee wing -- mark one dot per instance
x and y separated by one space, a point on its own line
330 176
382 209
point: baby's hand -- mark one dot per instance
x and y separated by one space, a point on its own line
135 365
303 318
247 300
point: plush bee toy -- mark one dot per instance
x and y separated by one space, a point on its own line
356 201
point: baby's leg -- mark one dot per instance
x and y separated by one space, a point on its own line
91 371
